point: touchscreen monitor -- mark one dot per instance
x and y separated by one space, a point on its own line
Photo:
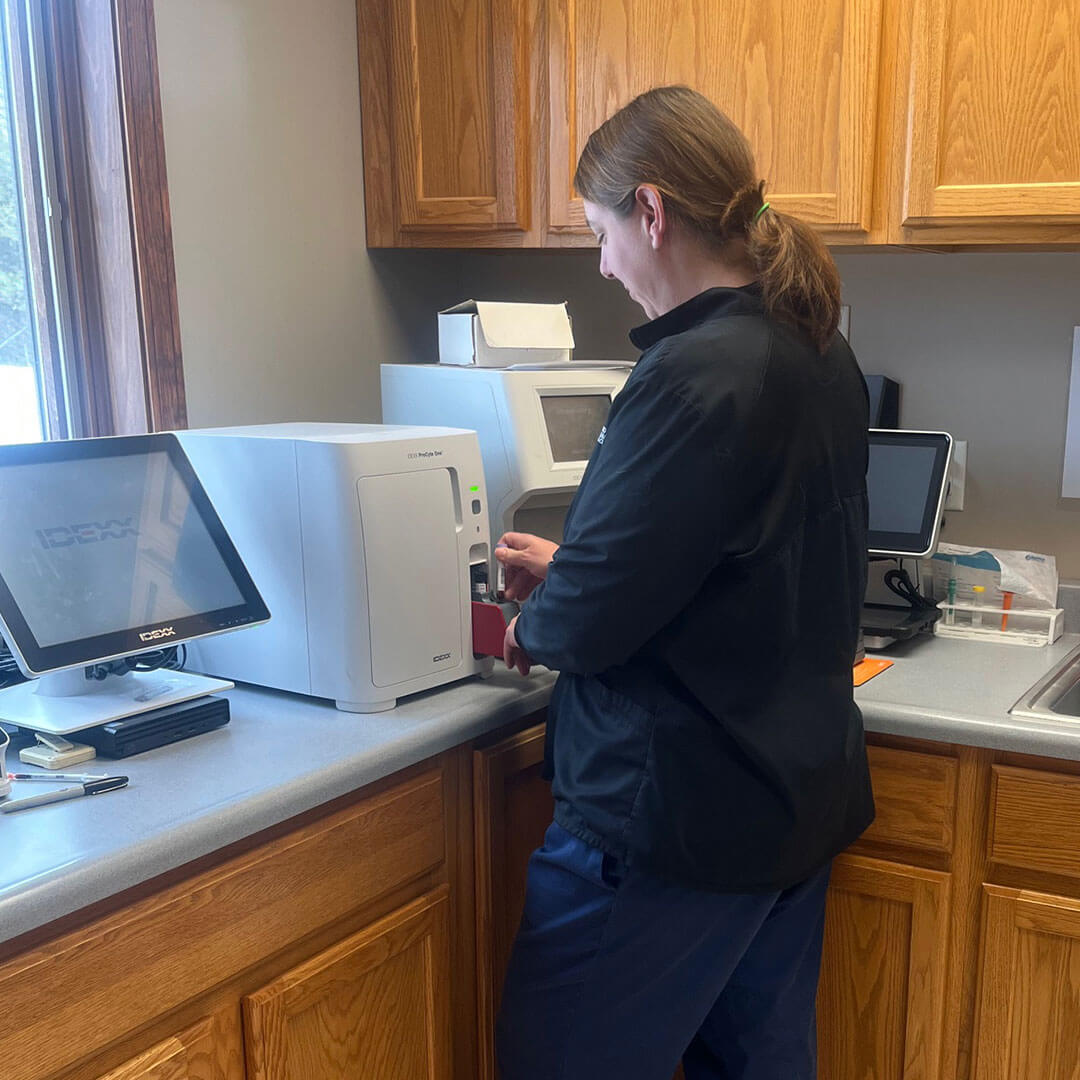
906 485
112 547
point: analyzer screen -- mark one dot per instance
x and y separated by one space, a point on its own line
573 423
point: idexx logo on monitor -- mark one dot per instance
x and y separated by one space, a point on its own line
156 635
86 532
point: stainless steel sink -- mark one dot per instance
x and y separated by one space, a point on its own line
1057 696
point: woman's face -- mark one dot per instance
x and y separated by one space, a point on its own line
626 252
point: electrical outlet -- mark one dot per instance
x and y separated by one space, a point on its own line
954 499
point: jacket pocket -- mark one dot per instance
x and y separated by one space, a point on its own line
600 752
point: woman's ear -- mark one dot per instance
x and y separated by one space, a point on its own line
653 218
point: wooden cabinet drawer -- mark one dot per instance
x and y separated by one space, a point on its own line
915 796
145 959
1035 820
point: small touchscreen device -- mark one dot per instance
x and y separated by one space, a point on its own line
906 485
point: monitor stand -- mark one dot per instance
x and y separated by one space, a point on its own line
882 625
67 701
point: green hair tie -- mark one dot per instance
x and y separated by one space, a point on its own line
764 207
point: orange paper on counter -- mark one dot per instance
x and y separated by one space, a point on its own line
865 671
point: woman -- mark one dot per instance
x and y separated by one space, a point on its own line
707 757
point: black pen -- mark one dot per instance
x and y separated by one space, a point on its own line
91 787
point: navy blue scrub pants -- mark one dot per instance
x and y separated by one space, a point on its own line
618 974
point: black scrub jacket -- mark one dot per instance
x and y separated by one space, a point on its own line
703 608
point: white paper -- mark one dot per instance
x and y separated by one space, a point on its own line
1025 573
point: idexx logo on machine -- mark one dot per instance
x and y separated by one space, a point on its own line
156 635
424 454
86 532
442 656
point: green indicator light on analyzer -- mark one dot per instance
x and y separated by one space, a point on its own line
475 487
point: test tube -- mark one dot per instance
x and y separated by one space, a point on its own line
976 616
950 612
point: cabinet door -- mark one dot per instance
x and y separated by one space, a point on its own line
513 807
444 90
208 1050
882 991
1029 996
374 1005
799 79
994 115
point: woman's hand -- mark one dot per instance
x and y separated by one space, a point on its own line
526 558
513 653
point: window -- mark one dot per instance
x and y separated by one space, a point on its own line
21 416
89 333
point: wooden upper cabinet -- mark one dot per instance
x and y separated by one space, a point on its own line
993 121
444 96
801 80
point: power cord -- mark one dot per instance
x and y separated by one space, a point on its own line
899 582
10 675
172 658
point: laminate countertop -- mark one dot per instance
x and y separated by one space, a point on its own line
282 755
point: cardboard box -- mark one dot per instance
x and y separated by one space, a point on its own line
489 334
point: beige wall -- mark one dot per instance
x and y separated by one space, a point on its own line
981 345
278 299
285 314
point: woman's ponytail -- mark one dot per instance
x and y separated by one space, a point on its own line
799 280
677 140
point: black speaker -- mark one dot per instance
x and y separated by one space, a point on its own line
884 401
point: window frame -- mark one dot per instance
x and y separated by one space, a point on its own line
101 236
32 154
148 188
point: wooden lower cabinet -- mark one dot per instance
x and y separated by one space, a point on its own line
330 935
1029 995
890 924
884 967
374 1005
370 937
207 1050
882 989
512 808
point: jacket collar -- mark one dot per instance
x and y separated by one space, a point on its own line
711 304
